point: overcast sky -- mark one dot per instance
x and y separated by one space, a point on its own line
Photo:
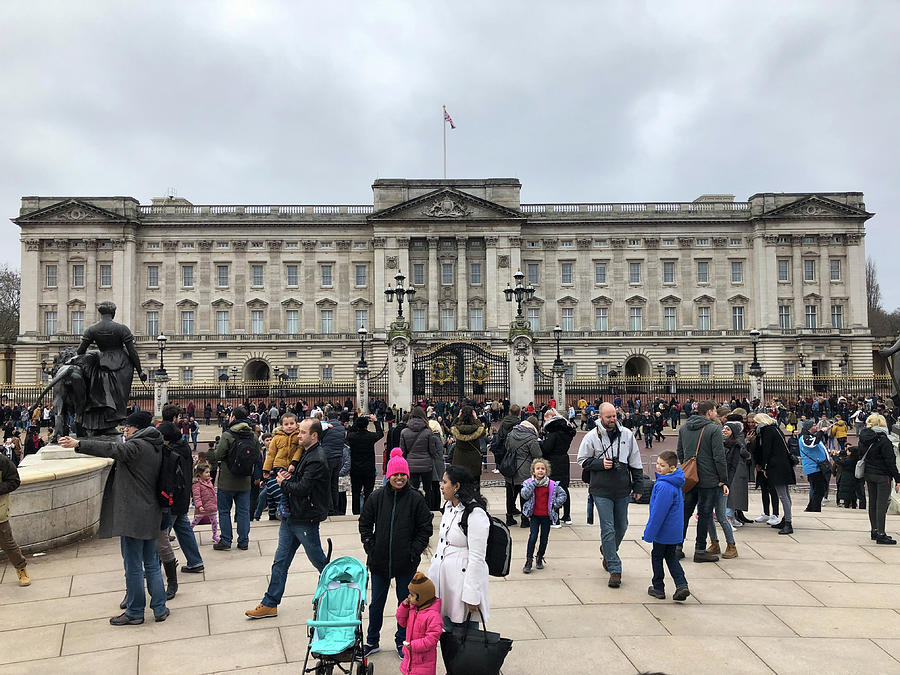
308 102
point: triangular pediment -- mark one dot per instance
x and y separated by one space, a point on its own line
326 302
257 303
360 302
446 204
670 300
187 302
71 211
152 304
567 300
292 303
222 303
704 299
75 302
812 297
815 206
602 300
738 299
636 300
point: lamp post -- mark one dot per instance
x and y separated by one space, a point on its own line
671 372
277 371
801 357
161 381
559 371
520 292
754 338
400 291
557 333
362 332
659 371
234 374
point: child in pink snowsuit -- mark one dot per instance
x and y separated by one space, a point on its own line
206 507
420 614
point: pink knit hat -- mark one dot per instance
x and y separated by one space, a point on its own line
396 464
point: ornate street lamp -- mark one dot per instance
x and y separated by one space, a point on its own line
557 332
520 292
659 371
161 341
754 337
362 332
400 291
845 363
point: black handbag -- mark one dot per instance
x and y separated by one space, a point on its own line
472 651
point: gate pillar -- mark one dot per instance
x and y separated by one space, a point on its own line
362 387
521 369
399 366
559 385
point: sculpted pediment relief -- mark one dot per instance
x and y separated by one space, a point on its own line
186 303
360 302
670 299
75 302
704 299
291 303
257 303
71 211
815 206
446 204
636 300
738 299
602 300
812 297
152 304
567 300
326 302
222 303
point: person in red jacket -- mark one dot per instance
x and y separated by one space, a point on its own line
420 615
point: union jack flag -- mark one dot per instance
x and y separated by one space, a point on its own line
447 118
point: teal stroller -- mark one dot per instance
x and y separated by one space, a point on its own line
335 631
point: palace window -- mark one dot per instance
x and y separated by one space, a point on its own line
668 273
327 279
292 324
837 316
703 318
738 369
601 318
153 276
222 321
418 276
153 323
327 320
293 276
256 322
635 318
809 270
702 272
51 278
418 319
812 320
533 272
256 275
187 322
784 316
187 375
565 273
475 274
105 276
533 315
835 268
476 318
78 275
737 318
446 274
187 276
600 273
784 269
705 370
448 319
737 272
221 275
76 321
360 274
362 318
669 318
567 320
634 273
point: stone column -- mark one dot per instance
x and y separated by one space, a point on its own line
64 283
379 275
490 279
855 284
362 387
521 368
32 285
434 286
91 278
756 384
129 272
400 391
160 394
462 286
559 385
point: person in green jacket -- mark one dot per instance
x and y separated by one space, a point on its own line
232 489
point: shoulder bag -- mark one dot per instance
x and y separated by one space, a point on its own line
860 471
689 467
472 651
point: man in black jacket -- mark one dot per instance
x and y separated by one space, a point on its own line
333 439
498 447
309 493
395 526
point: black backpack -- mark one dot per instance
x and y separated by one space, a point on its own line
244 454
167 488
509 467
644 488
499 544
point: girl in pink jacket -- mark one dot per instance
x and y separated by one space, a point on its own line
206 508
420 615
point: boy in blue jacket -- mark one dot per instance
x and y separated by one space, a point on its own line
665 527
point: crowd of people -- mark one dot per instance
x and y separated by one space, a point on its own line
304 463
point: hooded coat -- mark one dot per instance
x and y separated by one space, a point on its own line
421 446
737 458
555 448
773 455
467 452
878 452
523 441
424 626
702 437
362 446
847 482
666 520
129 507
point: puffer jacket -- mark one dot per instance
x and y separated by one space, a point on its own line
284 448
333 441
555 448
811 453
666 521
523 441
423 632
204 493
878 451
712 468
556 497
467 452
420 445
395 526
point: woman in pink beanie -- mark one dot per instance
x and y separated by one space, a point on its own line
395 526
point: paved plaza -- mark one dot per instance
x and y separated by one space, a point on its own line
821 600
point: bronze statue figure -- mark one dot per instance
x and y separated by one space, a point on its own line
888 356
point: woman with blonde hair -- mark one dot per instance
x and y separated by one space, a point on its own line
776 466
881 467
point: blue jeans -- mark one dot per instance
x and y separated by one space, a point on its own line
186 539
539 525
380 587
720 506
261 502
613 515
669 553
140 557
703 499
292 536
241 502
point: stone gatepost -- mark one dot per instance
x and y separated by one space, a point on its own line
160 394
559 386
521 363
400 391
756 384
362 386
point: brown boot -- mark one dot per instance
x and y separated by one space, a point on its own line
713 548
730 552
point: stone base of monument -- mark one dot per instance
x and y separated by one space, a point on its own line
59 499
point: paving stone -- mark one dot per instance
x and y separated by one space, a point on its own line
854 595
30 643
572 656
229 617
874 572
823 656
60 610
49 566
811 570
532 592
831 553
40 589
633 590
595 620
248 589
750 592
690 655
891 646
840 622
832 537
721 620
888 554
122 661
86 636
227 651
102 582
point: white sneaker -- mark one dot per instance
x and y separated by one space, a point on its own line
567 522
774 520
735 523
496 471
557 526
761 518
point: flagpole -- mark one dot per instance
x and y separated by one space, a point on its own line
444 128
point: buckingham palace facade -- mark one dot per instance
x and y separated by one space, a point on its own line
281 290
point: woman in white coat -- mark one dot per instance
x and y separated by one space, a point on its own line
458 569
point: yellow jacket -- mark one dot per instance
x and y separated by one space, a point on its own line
283 449
839 429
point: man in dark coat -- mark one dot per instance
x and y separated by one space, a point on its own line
130 511
395 526
701 436
309 493
362 458
558 435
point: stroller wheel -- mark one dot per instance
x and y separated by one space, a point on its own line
322 669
